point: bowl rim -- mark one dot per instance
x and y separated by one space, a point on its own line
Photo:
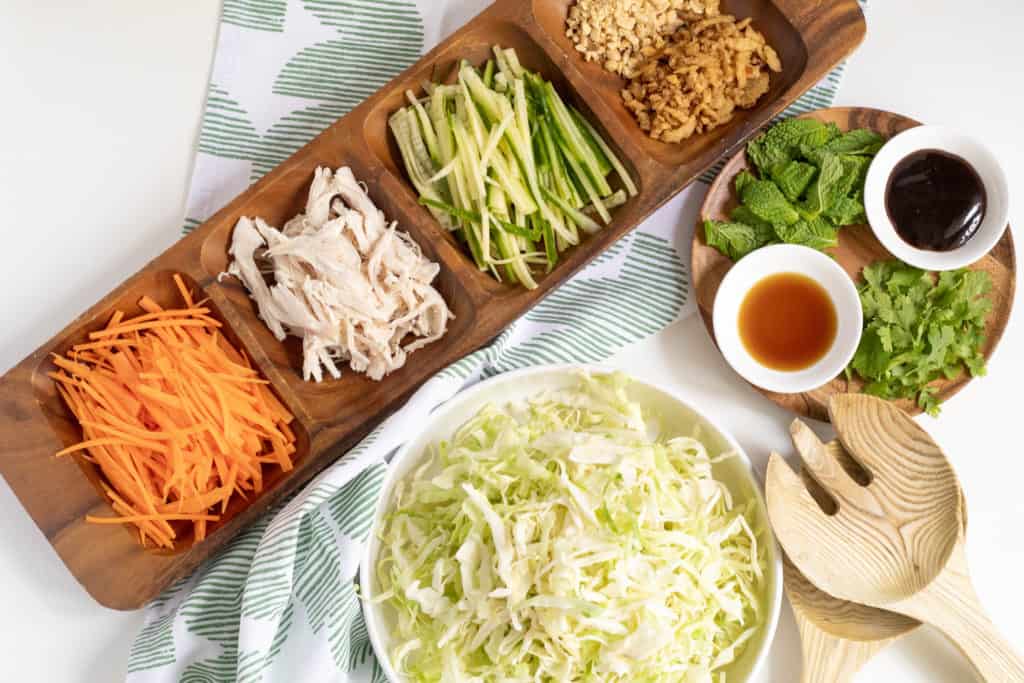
405 452
729 298
952 141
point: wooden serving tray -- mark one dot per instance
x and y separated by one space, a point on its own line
858 247
811 36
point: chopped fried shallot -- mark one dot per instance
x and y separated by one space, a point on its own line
707 70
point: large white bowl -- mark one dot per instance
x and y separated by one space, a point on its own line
679 417
997 210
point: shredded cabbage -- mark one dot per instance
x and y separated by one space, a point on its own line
561 539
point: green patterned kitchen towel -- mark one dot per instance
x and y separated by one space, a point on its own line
279 603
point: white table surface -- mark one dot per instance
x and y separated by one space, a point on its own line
100 110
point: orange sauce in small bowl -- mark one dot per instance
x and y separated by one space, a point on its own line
787 322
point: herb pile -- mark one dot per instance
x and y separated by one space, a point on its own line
809 184
920 327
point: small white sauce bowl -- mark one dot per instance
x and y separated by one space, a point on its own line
774 260
997 207
679 416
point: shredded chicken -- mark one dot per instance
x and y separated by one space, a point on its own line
346 281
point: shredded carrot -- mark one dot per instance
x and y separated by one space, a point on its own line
176 419
149 518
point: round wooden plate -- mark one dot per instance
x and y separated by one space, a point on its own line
857 248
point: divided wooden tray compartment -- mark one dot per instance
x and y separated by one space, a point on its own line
857 248
811 37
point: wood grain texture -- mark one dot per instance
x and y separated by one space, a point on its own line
857 248
837 636
812 37
896 543
828 658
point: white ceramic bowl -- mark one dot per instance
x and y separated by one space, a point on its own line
997 211
678 415
773 260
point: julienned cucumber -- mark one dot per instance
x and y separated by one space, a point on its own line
499 158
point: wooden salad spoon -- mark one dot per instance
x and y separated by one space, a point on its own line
837 636
897 543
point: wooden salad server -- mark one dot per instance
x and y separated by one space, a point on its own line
837 636
896 543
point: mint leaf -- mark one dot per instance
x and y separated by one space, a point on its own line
861 142
766 200
826 189
782 143
743 179
743 214
816 233
821 137
736 240
847 211
855 172
793 178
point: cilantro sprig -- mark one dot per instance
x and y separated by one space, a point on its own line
809 184
920 327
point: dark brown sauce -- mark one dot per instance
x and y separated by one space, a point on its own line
787 322
935 200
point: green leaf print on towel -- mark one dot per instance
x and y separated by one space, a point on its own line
260 15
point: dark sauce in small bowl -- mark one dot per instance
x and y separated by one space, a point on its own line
935 200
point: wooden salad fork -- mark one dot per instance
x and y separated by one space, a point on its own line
896 543
837 636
